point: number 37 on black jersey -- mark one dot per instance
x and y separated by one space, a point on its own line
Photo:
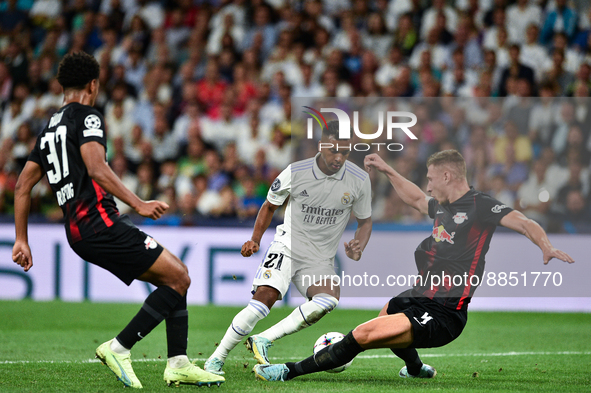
87 207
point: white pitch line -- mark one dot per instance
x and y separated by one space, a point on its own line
432 355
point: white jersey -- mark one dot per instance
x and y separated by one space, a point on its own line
319 207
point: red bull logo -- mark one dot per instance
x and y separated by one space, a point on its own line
441 235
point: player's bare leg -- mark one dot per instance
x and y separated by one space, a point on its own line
321 287
266 295
388 331
323 297
413 364
168 271
258 308
327 358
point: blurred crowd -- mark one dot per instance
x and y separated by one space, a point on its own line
531 153
197 94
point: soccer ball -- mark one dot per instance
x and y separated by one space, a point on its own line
328 339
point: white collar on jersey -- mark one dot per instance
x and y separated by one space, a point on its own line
318 174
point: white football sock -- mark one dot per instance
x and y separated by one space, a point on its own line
118 348
178 361
305 315
241 326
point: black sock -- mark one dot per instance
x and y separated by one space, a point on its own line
328 358
177 329
411 358
156 307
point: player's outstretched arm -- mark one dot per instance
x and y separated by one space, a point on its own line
260 226
31 174
93 154
534 232
409 192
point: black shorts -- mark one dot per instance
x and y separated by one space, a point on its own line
434 325
122 249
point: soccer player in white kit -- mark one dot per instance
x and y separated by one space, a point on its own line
323 191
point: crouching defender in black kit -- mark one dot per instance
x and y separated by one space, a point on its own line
71 152
428 315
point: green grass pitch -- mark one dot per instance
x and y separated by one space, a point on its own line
49 347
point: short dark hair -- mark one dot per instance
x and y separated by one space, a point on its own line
453 158
76 70
332 129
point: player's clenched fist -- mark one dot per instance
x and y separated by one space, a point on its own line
249 248
373 160
152 209
21 255
353 250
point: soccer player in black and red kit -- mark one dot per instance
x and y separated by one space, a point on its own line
71 152
434 312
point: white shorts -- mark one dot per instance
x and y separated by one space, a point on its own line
278 269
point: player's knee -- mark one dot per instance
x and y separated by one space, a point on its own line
319 306
184 267
180 280
178 274
187 280
266 295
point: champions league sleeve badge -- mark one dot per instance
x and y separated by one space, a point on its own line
93 126
92 121
276 185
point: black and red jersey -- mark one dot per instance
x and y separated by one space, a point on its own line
455 251
87 207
